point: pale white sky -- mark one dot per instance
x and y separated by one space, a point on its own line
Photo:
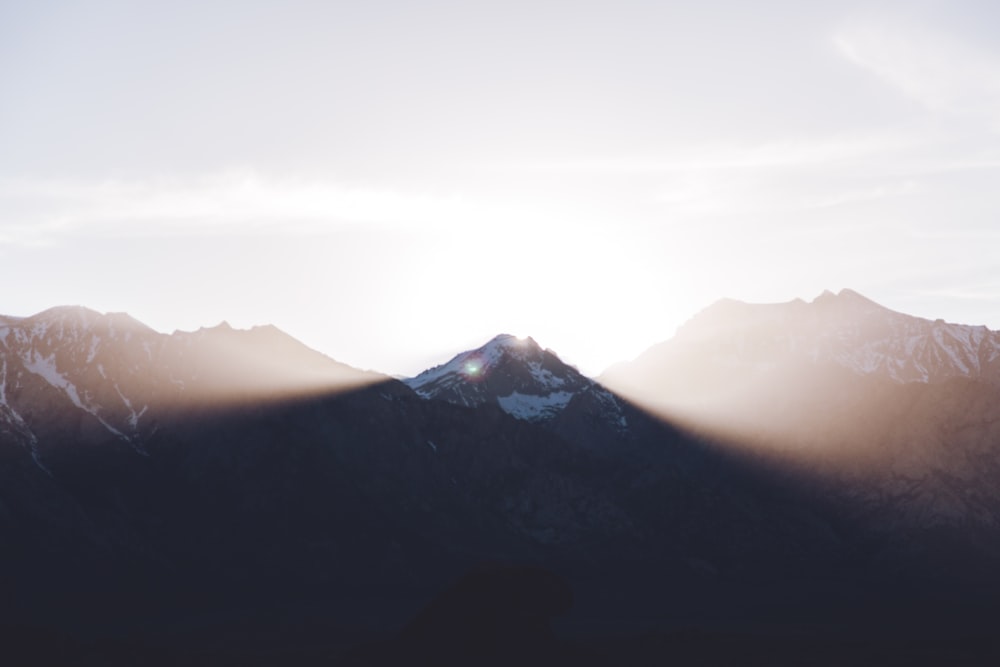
392 182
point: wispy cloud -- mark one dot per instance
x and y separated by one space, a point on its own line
805 152
970 234
749 179
935 69
242 201
758 195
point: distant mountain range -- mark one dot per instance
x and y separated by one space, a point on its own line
112 376
797 464
845 330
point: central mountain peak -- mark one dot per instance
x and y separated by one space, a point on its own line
847 300
514 373
503 366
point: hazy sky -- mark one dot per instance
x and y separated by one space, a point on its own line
392 182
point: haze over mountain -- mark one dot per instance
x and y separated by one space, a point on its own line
844 330
787 371
160 489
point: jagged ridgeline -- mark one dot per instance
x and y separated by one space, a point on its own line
834 466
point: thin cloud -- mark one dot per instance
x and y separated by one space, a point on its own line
229 202
817 152
956 234
938 71
857 196
757 196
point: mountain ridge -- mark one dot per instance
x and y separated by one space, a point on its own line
106 373
847 330
826 308
150 495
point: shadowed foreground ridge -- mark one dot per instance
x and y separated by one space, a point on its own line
491 615
351 521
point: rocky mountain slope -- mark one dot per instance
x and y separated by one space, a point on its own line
73 373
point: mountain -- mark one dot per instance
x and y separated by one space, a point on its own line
895 418
782 371
734 340
73 373
224 490
156 474
531 384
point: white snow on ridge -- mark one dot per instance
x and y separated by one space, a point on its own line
544 377
540 393
484 359
45 367
134 416
530 407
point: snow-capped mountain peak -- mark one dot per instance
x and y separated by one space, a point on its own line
516 374
489 363
478 363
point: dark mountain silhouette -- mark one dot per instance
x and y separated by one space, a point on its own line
233 497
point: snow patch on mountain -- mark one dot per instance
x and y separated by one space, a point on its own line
92 352
133 418
545 378
468 366
531 407
45 367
